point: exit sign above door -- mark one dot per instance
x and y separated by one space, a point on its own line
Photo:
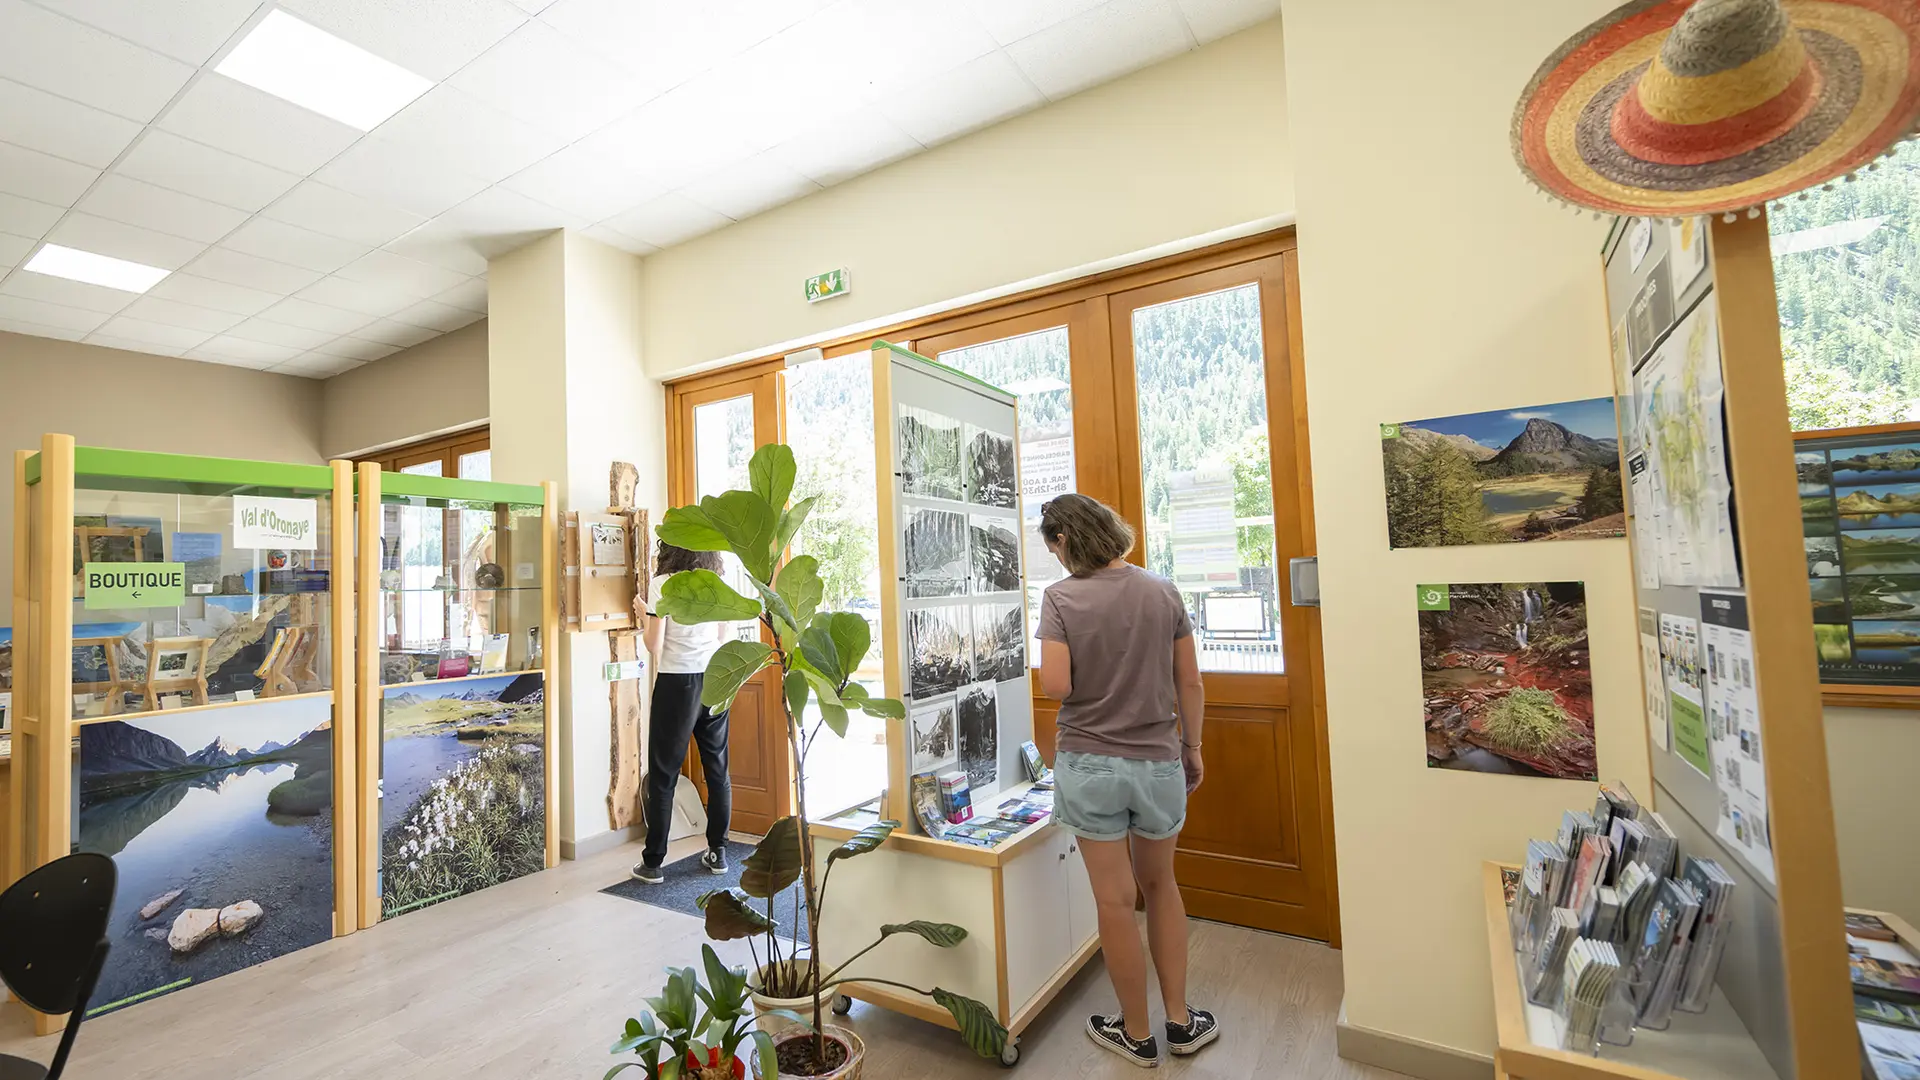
828 285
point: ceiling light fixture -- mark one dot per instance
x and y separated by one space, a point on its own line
76 265
315 70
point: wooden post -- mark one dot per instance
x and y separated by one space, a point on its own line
52 763
14 838
550 658
366 742
346 746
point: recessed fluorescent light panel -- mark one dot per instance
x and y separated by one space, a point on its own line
313 69
76 265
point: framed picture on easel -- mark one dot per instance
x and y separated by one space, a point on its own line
177 666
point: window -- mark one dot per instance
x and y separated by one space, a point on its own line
464 454
722 447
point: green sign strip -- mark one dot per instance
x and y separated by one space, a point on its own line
143 470
116 586
454 490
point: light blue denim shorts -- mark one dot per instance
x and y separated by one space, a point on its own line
1098 797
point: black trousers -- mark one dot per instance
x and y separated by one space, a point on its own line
678 717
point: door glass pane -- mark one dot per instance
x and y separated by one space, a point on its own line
1206 472
477 465
722 446
830 427
1037 367
424 468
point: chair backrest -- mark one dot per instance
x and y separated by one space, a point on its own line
51 922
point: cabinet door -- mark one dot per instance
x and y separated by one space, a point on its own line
1037 920
1083 917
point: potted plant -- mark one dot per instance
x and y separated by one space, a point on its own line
694 1032
816 653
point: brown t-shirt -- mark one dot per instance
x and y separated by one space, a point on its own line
1119 625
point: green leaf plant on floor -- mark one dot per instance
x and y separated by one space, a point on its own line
694 1032
816 654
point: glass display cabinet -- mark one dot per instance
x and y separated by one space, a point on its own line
455 666
182 702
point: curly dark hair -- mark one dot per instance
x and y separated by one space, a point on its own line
668 559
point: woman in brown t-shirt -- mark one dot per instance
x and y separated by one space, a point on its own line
1116 648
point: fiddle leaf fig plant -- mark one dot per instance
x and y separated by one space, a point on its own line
816 654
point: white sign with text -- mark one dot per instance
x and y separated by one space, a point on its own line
261 522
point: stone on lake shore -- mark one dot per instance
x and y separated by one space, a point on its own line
237 919
527 748
160 903
193 928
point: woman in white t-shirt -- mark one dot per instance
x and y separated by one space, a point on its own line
680 654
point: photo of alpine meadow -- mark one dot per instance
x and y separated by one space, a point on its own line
220 823
936 553
999 642
463 787
1880 551
939 651
1505 679
992 479
1551 472
929 454
996 554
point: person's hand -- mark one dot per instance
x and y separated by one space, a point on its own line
1196 769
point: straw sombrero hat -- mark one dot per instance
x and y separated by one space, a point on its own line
1670 108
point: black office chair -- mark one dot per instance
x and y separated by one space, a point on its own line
53 942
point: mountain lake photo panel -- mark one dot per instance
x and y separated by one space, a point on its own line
1548 472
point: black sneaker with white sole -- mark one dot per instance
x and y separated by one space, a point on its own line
1200 1029
648 875
1111 1032
714 861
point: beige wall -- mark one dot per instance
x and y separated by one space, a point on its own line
1178 150
437 386
1434 281
136 401
1872 753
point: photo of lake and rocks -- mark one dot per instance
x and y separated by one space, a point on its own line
220 823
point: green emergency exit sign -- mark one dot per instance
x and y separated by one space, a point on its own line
828 285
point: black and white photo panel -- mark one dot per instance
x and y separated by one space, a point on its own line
940 651
996 554
992 477
980 737
999 642
936 553
934 739
929 454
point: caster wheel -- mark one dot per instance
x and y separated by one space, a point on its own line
842 1005
1010 1056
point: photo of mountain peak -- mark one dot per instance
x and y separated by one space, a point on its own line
1549 472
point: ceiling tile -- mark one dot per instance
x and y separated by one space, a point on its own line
186 166
291 244
35 329
434 316
582 183
234 117
274 333
122 241
53 125
545 78
1102 44
14 249
672 42
468 136
128 328
949 104
871 46
847 147
1213 19
297 312
110 341
444 245
668 220
49 179
239 348
60 316
227 361
398 334
189 30
372 300
26 217
28 285
1010 20
207 293
310 365
79 62
754 98
613 237
156 309
408 177
672 139
338 213
743 190
470 294
239 268
352 348
387 270
532 7
120 198
434 38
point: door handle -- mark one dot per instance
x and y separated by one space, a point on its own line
1304 577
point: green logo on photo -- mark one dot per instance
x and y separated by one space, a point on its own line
1434 597
1389 431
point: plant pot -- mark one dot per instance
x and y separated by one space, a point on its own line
800 1006
848 1069
693 1069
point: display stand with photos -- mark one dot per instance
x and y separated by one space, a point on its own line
182 702
954 625
1733 710
459 739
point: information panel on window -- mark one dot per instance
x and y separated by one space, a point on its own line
1860 511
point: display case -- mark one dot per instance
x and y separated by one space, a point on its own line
182 702
455 667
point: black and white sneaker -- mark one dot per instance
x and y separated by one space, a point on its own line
714 861
1200 1029
648 875
1111 1032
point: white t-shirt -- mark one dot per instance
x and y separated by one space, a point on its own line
685 650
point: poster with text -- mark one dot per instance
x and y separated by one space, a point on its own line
1653 677
1681 431
1733 726
1680 665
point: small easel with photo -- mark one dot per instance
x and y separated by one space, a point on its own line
278 669
85 649
176 666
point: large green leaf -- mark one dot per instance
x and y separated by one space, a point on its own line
777 607
945 935
821 652
730 917
855 697
767 1055
977 1026
792 518
800 586
702 596
796 687
688 527
835 717
823 689
770 473
851 638
730 668
775 863
748 523
863 841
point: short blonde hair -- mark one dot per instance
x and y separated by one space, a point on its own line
1087 533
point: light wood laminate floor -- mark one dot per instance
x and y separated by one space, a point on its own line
534 978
